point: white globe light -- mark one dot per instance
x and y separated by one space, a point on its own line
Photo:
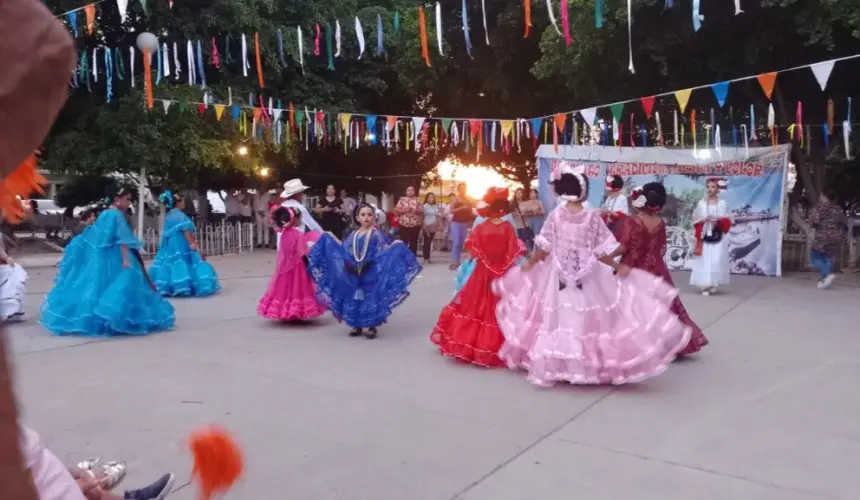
146 41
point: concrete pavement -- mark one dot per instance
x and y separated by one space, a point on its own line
768 411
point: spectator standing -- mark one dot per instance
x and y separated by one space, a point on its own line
410 215
462 216
524 231
533 211
432 224
246 210
330 209
261 218
231 207
348 209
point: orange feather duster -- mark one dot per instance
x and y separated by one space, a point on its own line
218 462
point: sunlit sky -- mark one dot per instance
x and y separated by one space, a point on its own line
478 178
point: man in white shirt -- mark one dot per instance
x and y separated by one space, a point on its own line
246 211
292 196
231 207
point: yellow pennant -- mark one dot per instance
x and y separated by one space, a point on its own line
683 97
219 111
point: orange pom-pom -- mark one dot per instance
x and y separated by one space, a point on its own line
23 181
217 461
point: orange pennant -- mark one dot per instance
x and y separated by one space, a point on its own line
90 11
257 113
527 6
767 82
147 77
422 25
259 60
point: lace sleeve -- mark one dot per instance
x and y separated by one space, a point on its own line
604 240
545 238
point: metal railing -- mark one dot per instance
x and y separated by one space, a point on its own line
212 239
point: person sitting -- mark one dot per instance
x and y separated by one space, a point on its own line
13 283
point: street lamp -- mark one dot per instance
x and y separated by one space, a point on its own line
264 172
242 150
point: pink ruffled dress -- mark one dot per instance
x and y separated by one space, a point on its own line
570 319
291 295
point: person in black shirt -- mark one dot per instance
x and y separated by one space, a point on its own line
330 208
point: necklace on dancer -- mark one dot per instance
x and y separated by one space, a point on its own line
364 248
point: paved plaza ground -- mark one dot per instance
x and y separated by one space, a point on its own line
769 411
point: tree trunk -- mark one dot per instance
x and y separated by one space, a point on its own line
806 179
202 206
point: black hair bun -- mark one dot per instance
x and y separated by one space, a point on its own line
569 185
655 194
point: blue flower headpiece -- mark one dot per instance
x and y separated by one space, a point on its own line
166 198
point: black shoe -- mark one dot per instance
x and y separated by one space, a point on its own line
155 491
356 332
371 332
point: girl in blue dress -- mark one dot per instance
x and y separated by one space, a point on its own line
178 269
107 292
75 249
363 279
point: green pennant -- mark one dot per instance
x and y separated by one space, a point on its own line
616 110
300 117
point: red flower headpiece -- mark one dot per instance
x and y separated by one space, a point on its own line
722 182
492 197
612 178
639 200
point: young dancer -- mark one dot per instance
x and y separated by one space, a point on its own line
290 295
178 269
712 220
567 317
468 265
467 327
642 244
363 279
107 293
615 204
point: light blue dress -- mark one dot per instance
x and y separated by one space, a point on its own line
179 271
97 296
466 268
72 254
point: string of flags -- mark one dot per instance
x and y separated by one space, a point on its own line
563 31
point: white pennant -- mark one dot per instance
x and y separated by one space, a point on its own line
484 14
629 33
417 123
588 116
771 117
822 72
122 6
189 53
245 65
359 33
439 26
165 56
552 16
131 63
166 105
301 49
176 66
455 134
95 65
337 38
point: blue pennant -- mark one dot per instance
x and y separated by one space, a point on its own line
721 91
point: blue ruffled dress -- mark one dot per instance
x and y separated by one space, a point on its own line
364 300
73 252
97 296
179 271
468 265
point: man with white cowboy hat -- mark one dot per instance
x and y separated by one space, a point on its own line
292 196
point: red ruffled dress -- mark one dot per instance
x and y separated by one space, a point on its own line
645 250
467 328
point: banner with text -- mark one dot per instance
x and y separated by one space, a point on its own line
755 195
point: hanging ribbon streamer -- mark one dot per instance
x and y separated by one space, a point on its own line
552 16
799 120
160 65
317 40
771 124
466 35
189 61
147 77
90 13
493 136
643 135
176 66
302 48
598 14
130 66
422 29
380 48
675 130
693 128
396 34
281 48
257 56
337 38
359 33
659 128
713 126
718 142
830 115
753 136
738 9
95 66
616 131
328 49
439 27
697 18
484 15
565 23
200 65
72 17
746 141
165 58
245 64
120 64
109 75
630 33
846 136
527 8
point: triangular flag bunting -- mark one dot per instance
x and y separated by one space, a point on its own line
166 105
122 5
344 122
721 91
767 81
201 108
219 111
560 119
507 126
446 123
822 72
588 115
616 110
683 97
648 105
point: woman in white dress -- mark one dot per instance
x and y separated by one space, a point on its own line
712 220
13 282
615 204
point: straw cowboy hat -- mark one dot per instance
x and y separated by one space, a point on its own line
292 187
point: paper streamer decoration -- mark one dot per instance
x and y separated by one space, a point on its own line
302 48
245 64
484 15
565 23
257 57
721 91
417 123
822 72
200 66
598 14
147 77
767 82
738 9
422 29
72 17
527 12
337 38
648 105
629 33
659 128
176 66
109 74
317 39
697 18
166 59
830 114
465 15
281 48
380 47
552 16
675 129
122 6
359 33
683 97
753 136
90 12
216 58
439 27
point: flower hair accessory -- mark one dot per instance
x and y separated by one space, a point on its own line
638 197
611 179
577 171
721 182
166 198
